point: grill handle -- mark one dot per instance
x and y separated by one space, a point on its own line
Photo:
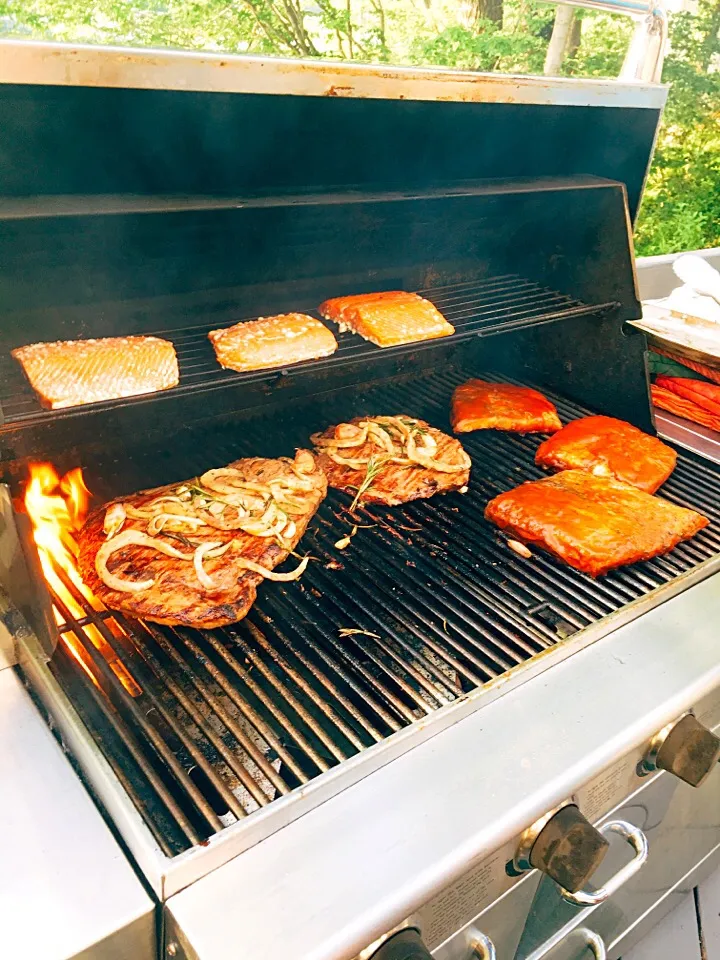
591 939
638 841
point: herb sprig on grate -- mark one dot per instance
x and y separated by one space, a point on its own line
373 468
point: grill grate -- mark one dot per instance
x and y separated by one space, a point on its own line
474 308
428 603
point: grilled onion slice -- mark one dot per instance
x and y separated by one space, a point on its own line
130 538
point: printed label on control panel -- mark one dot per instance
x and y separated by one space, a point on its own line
708 711
609 789
457 905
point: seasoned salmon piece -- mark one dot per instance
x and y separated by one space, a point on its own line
391 460
608 447
387 319
70 372
592 523
272 342
479 405
681 407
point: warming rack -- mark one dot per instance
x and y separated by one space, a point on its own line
475 308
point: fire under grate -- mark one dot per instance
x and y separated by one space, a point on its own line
204 728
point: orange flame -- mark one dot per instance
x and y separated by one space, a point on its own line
57 508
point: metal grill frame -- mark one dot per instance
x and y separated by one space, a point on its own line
167 875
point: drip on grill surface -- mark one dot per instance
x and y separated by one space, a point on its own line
426 604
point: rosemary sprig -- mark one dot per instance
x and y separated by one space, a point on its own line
373 468
414 426
181 539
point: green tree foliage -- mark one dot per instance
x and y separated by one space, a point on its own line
681 209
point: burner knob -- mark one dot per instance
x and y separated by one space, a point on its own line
563 845
685 748
406 944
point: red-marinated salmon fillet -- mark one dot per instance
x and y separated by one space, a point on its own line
387 319
70 372
479 405
592 523
681 407
607 447
272 342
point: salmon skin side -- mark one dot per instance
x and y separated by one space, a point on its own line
68 373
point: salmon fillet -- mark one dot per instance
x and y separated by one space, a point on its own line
592 523
391 460
70 372
174 593
609 448
272 342
387 319
479 405
681 407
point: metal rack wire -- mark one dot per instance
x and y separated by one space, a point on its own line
474 308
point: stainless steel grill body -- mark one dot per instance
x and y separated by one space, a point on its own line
366 747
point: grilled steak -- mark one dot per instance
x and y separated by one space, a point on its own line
391 460
592 523
272 342
388 319
68 373
151 555
479 405
607 447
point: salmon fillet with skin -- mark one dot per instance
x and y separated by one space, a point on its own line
384 442
592 523
607 447
479 405
272 342
68 373
387 319
176 595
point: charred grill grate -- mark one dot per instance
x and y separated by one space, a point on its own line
474 308
205 727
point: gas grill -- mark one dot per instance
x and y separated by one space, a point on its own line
404 710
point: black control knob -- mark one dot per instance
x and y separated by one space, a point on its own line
404 945
568 849
689 750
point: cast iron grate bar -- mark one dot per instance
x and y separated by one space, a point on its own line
475 308
426 604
